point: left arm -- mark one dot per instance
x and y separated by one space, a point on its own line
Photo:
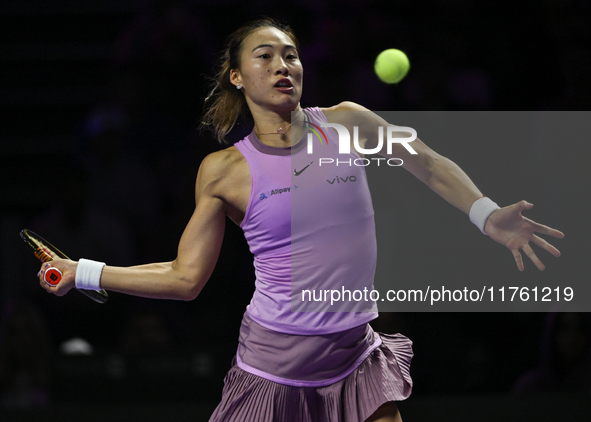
441 174
506 225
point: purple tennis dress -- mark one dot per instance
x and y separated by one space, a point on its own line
311 229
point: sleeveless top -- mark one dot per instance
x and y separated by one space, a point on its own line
310 226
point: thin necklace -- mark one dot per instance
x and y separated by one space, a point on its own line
279 131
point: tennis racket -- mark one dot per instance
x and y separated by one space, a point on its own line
46 252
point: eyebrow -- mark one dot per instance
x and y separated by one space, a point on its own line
285 47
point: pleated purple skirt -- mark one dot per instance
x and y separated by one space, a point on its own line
382 377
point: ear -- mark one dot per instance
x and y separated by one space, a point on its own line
235 77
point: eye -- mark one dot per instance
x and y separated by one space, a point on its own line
265 56
292 56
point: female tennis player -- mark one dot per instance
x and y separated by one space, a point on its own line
298 366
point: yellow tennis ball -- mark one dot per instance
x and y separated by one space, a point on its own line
391 66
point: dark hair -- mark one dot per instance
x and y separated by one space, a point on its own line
225 104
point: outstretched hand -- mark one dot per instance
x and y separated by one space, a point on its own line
508 227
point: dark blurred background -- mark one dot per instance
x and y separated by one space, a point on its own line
100 103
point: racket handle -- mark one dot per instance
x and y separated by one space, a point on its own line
52 276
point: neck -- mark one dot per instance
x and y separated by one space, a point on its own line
275 128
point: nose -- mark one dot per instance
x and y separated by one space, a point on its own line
282 68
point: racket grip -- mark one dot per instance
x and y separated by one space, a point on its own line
52 276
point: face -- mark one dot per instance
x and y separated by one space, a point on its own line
270 71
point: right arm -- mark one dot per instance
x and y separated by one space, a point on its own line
198 249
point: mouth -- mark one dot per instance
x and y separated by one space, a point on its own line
284 85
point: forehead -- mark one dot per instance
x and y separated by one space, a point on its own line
267 36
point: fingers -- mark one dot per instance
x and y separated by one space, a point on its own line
530 228
518 259
41 273
532 255
540 228
524 205
52 284
41 276
549 231
545 245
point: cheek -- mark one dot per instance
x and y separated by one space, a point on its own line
299 76
298 72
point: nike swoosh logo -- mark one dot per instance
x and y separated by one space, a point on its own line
297 173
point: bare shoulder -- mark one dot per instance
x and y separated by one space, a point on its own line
218 163
221 167
225 175
349 113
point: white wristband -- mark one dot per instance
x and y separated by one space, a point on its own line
88 274
481 210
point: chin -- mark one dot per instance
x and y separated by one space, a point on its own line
290 105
